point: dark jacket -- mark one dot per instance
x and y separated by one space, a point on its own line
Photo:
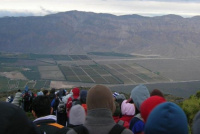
97 119
48 125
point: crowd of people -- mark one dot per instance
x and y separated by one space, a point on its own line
94 111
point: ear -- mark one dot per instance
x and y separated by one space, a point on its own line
33 112
51 111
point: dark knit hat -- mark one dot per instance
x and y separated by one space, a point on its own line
100 96
166 118
14 120
83 96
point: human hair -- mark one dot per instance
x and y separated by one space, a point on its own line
157 92
45 92
41 106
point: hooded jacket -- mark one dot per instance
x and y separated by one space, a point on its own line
75 95
139 94
76 116
47 124
101 106
166 118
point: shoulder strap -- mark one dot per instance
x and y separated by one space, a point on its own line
120 122
81 130
117 129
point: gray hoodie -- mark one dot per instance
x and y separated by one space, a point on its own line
77 115
139 94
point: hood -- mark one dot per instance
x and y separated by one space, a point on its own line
139 94
77 115
100 96
83 96
148 105
127 108
167 118
76 92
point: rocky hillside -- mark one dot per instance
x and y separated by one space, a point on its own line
81 32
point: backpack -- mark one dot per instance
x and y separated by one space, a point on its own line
61 106
51 128
75 101
117 129
136 124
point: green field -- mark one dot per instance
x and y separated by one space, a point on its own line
40 69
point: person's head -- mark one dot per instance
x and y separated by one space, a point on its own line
52 91
166 118
14 120
115 94
100 96
83 96
117 112
139 94
19 90
77 115
40 93
195 124
76 92
127 108
157 92
45 92
41 106
148 105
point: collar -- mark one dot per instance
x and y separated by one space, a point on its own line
99 116
45 118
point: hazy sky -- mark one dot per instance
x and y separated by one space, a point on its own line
185 8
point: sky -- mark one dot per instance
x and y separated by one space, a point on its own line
185 8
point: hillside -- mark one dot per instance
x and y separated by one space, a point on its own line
70 32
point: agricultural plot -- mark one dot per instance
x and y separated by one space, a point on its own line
89 74
32 73
42 84
3 83
22 84
62 57
26 62
31 84
50 73
8 60
9 69
133 73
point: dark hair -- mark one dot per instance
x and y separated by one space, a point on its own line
45 92
157 92
41 105
52 91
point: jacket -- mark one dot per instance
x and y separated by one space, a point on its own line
48 125
99 121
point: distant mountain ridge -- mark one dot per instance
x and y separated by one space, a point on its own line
77 32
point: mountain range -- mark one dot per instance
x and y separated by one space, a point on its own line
76 32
